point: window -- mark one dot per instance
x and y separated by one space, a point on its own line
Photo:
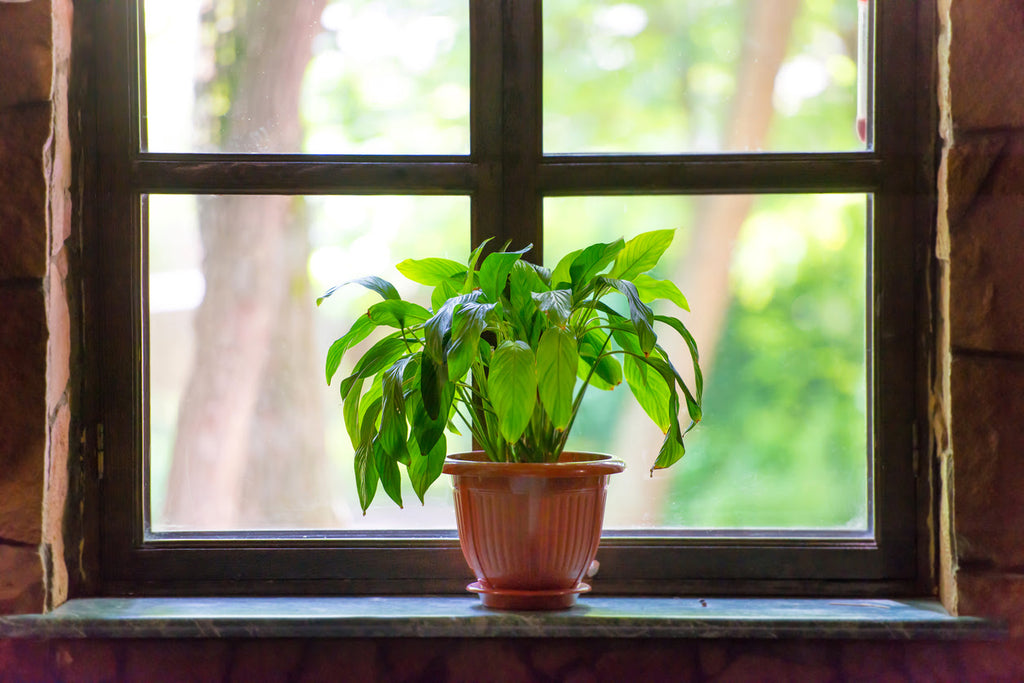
432 125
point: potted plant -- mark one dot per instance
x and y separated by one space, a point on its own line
508 349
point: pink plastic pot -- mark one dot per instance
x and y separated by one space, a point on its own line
530 531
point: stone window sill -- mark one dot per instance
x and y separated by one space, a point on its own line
464 617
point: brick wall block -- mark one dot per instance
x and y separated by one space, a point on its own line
988 461
986 63
987 244
24 133
21 580
23 340
997 596
25 53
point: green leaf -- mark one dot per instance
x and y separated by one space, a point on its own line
557 362
512 387
672 448
430 271
607 373
471 273
641 253
397 313
438 329
651 289
650 390
359 331
387 470
495 269
556 305
468 321
678 326
379 285
592 260
365 467
350 412
639 312
379 356
392 434
561 275
426 467
433 380
446 290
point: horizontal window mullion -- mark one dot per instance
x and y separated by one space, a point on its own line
260 175
572 175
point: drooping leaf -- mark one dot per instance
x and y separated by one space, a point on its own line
392 434
430 271
397 313
672 448
651 289
359 331
603 371
426 429
426 466
379 285
468 321
557 362
438 329
512 387
433 379
495 269
379 356
650 390
641 253
639 313
365 467
678 326
388 471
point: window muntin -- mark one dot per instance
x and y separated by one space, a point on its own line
895 172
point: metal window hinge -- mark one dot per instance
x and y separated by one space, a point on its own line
99 450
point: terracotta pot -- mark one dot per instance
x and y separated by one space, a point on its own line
530 531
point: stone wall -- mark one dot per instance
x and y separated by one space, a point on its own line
509 661
978 399
35 328
981 237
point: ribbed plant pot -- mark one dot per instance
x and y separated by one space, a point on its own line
530 531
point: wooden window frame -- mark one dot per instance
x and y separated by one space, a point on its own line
507 176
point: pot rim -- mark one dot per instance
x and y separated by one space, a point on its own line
586 464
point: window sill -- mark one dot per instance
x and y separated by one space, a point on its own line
464 617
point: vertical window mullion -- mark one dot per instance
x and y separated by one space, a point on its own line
521 125
485 117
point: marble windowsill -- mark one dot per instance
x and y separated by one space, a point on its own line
463 617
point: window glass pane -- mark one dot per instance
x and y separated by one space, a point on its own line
244 432
291 76
664 76
777 287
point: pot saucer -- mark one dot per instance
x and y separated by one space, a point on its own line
510 599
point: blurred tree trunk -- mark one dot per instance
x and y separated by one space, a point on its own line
705 268
249 451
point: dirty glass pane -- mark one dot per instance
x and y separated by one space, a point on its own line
665 76
777 287
244 432
307 76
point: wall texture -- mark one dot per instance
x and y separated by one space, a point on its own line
978 407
